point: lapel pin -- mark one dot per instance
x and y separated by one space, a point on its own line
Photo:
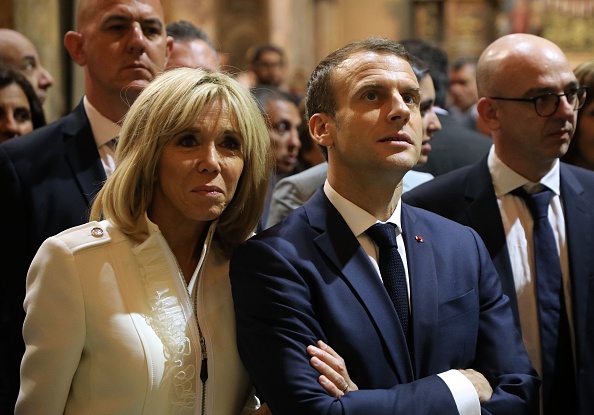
419 239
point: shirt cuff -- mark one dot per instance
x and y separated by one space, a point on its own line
463 392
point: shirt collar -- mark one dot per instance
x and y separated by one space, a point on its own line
505 179
357 219
102 127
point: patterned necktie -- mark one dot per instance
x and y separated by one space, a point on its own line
558 387
392 269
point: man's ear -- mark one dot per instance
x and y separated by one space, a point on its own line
488 111
168 49
74 44
321 128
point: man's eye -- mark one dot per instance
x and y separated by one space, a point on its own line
371 96
282 127
152 31
411 99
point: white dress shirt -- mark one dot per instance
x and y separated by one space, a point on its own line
358 220
518 225
104 130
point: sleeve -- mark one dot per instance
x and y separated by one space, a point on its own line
14 257
54 330
277 319
286 197
500 354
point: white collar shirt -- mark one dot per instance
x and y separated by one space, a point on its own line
518 224
104 130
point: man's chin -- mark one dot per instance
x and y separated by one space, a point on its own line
134 88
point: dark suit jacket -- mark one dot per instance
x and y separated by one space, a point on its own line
47 180
454 146
308 278
467 196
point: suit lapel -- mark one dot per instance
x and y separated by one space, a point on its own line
423 290
485 218
579 242
82 155
342 248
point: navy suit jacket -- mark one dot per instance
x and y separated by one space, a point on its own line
454 146
308 278
467 196
47 180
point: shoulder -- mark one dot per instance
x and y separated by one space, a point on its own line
445 185
41 141
584 176
311 178
87 236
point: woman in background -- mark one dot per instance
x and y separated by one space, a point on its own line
581 148
20 109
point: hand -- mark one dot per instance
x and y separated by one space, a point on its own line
333 373
480 383
263 410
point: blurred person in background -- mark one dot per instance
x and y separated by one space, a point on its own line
17 50
581 148
463 92
192 48
20 109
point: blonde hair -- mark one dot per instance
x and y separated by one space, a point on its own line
172 103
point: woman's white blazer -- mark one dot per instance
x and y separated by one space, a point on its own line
111 329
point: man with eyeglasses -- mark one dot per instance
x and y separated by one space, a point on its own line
529 99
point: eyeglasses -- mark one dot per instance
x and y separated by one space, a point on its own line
546 105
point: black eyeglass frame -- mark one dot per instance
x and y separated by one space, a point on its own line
534 100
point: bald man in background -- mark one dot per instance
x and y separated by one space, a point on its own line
17 50
529 97
49 177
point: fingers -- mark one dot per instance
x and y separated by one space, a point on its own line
330 387
329 373
326 354
480 383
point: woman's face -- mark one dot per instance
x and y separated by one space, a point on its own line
585 140
431 123
15 113
199 169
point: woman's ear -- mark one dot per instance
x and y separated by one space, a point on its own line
321 128
74 44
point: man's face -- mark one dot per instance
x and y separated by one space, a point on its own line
378 126
124 44
269 68
285 121
193 54
524 137
463 91
17 50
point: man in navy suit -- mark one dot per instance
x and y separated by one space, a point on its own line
529 100
315 275
49 177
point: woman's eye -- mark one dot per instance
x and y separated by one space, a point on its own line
187 140
22 115
232 143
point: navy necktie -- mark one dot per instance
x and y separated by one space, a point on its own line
558 379
392 269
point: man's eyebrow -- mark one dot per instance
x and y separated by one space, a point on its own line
124 18
533 92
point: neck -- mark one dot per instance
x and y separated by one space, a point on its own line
186 243
379 198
